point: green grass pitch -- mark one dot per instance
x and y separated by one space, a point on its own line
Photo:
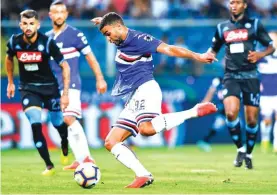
183 170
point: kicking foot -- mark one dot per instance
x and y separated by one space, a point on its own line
75 164
204 109
141 182
239 159
49 171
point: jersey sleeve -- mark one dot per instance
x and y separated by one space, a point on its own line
10 51
262 34
147 43
81 43
54 51
217 40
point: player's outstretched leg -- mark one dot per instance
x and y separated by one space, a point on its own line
170 120
114 144
57 121
34 116
78 143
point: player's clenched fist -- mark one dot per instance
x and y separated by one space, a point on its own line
10 90
64 102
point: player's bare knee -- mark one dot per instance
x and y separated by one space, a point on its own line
109 143
69 120
146 129
231 115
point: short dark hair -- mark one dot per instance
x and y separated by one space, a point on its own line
29 13
57 2
110 18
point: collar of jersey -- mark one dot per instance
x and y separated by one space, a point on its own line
244 19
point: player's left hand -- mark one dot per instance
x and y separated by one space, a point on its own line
101 86
207 58
254 56
64 102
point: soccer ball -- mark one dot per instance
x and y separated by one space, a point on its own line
87 175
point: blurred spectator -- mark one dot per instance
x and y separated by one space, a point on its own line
140 9
159 8
217 9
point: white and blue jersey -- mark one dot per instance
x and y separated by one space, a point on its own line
268 72
71 42
134 62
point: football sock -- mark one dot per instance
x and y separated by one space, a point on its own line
235 132
265 131
211 134
251 134
41 144
275 135
127 157
170 120
62 129
78 141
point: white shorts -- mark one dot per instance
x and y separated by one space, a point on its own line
268 105
74 107
144 105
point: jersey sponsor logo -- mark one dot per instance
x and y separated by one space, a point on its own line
29 56
236 35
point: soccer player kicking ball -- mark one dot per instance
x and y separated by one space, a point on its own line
38 86
136 84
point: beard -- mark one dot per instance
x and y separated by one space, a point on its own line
118 41
59 25
30 36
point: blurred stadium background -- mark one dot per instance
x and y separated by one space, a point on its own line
189 23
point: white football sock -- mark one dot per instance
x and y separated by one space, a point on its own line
275 135
127 157
241 149
170 120
249 156
78 141
265 131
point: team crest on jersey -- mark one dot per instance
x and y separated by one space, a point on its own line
148 38
40 47
25 101
247 25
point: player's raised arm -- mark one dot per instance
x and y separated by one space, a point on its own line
172 50
101 84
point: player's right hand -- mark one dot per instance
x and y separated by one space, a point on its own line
64 102
207 58
96 20
10 90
